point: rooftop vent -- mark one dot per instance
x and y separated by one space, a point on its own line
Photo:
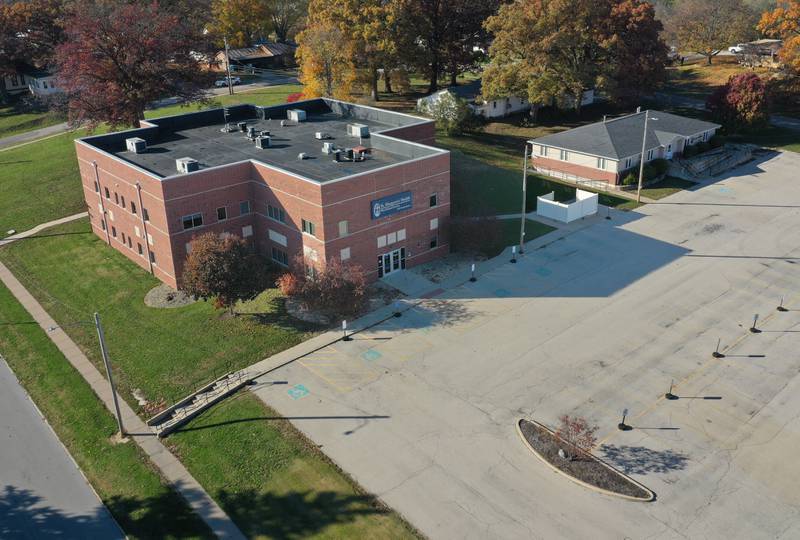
302 155
136 145
251 132
296 115
265 133
321 135
328 147
186 165
358 130
262 141
242 127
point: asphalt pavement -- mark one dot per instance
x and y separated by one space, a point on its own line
44 494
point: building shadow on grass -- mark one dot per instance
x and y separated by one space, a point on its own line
24 514
297 514
641 460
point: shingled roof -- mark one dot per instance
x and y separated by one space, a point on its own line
620 138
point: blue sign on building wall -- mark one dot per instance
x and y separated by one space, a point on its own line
392 204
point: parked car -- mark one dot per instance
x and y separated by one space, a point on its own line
738 48
224 82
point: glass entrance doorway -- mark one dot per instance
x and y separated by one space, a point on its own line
391 262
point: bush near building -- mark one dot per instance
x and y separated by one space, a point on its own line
338 288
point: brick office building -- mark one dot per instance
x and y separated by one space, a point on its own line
322 178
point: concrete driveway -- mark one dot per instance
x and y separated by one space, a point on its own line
44 495
421 409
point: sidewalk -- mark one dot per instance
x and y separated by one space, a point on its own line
32 232
30 136
169 466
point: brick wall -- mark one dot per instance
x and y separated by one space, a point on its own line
581 171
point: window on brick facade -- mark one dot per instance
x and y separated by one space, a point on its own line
276 214
114 232
116 197
192 221
222 213
244 208
308 227
103 224
152 257
344 253
108 195
123 238
133 208
280 256
122 198
434 223
343 228
139 245
145 214
130 243
434 200
434 242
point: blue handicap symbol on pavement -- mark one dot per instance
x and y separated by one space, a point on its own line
725 190
298 391
371 355
544 272
502 293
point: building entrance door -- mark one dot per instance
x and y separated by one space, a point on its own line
391 262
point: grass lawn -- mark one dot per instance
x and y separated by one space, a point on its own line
166 353
510 233
13 121
272 481
698 80
143 505
271 95
666 187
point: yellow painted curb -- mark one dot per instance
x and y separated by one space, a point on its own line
652 496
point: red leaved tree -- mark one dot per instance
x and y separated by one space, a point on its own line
577 433
338 288
741 103
294 96
118 57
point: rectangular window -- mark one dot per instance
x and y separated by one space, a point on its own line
343 228
280 257
133 208
434 223
123 237
222 213
114 232
247 231
650 155
563 155
401 235
103 224
116 197
308 227
145 214
96 187
122 198
382 241
391 238
276 214
111 214
139 245
433 200
152 257
277 237
192 221
130 242
108 195
244 208
542 150
137 231
434 242
601 163
344 254
150 239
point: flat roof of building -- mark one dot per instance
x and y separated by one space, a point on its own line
202 136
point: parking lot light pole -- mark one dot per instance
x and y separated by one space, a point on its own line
641 158
524 197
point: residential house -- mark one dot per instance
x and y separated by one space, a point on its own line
608 150
38 82
263 56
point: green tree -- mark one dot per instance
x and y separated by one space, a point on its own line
242 22
286 16
452 114
709 27
222 269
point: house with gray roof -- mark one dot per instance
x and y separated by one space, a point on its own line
608 150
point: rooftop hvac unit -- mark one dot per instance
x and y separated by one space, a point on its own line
328 148
136 145
262 142
251 132
283 123
265 133
242 127
296 115
358 130
321 135
302 155
337 156
227 128
186 165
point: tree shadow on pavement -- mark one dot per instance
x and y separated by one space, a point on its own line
641 460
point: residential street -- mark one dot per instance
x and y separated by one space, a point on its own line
44 495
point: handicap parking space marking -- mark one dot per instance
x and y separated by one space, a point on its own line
723 189
298 391
371 355
542 271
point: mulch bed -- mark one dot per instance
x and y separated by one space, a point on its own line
586 468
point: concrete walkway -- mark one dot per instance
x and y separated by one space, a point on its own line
30 136
169 466
32 232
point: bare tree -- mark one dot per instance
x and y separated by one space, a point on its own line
578 435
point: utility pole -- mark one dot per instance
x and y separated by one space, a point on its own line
524 198
228 66
641 159
104 351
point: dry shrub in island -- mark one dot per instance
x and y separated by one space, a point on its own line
338 288
578 435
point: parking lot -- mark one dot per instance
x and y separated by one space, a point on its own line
421 410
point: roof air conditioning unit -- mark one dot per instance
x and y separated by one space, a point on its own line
302 155
242 126
262 141
251 132
296 115
358 130
186 165
328 147
136 145
321 135
265 133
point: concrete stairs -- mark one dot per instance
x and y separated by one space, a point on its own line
710 163
184 410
